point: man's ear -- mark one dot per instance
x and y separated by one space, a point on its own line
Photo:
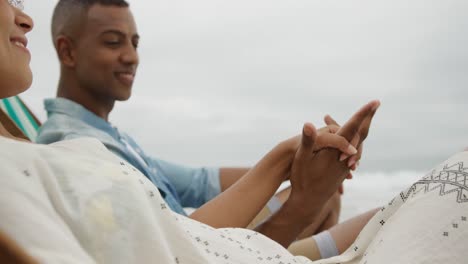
65 50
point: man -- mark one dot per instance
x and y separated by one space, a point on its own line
96 42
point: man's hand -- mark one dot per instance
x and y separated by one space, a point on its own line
326 137
316 175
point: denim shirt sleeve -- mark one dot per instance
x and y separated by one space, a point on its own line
195 186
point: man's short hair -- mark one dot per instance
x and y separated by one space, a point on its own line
68 14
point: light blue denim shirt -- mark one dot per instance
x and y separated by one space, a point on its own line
179 185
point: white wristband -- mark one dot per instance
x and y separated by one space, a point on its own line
326 245
274 204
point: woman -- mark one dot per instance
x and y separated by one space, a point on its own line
18 77
75 202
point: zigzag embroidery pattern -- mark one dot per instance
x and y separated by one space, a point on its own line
451 179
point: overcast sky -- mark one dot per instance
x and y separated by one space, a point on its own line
221 82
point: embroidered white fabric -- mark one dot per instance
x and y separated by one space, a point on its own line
75 202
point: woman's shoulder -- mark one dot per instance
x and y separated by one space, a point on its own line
27 151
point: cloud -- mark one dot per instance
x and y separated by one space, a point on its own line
222 82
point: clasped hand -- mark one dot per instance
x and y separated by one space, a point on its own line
318 169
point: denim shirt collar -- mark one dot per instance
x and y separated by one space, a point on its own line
75 110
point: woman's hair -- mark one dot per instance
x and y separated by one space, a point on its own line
69 13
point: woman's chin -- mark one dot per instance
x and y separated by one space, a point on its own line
19 87
11 93
25 82
24 85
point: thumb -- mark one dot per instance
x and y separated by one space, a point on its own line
309 134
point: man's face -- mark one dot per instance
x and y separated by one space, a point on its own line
106 53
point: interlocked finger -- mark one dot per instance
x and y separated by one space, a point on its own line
330 121
329 140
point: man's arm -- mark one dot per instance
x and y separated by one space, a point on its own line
315 176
